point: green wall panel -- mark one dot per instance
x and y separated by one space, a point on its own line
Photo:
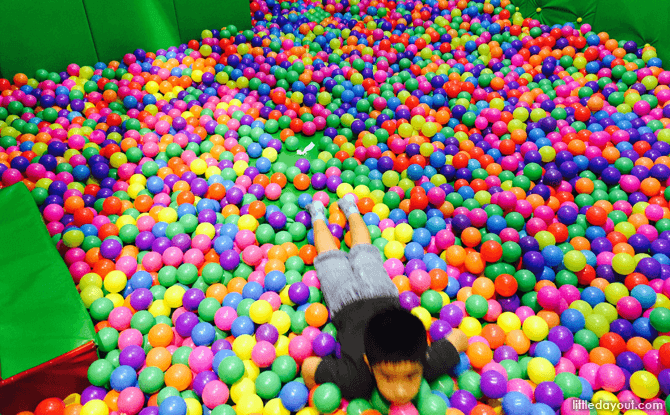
43 34
644 21
192 21
122 26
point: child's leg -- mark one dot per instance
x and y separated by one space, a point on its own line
323 238
359 230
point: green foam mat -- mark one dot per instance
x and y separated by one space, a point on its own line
41 313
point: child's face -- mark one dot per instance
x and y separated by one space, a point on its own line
398 382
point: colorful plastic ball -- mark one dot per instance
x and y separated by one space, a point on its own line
294 396
327 398
644 384
516 403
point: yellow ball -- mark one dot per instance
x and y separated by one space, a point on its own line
535 328
90 279
389 234
281 346
249 404
616 291
583 307
275 407
509 321
644 384
381 210
394 249
95 407
242 346
117 299
260 312
470 326
251 371
159 308
247 222
173 296
193 407
308 410
168 215
606 400
281 321
343 189
206 229
115 281
241 388
403 233
541 370
90 294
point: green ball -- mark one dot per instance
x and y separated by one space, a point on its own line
100 372
569 384
358 406
101 308
432 405
143 321
587 339
223 410
151 380
285 367
231 369
470 381
660 319
513 369
327 398
166 393
444 384
476 306
107 339
379 402
511 251
432 301
268 384
180 356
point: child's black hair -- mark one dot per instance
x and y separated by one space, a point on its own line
395 335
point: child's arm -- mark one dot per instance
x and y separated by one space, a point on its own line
444 354
308 370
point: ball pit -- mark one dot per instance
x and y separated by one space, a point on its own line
513 175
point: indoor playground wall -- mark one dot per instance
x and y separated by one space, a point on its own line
643 21
52 34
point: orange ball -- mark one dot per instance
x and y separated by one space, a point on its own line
160 335
638 345
479 354
316 315
179 377
159 357
600 355
484 287
494 335
518 341
471 237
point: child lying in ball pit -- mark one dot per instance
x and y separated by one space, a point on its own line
382 344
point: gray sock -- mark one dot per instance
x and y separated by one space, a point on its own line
316 211
348 205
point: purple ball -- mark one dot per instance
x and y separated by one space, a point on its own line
199 187
267 332
234 195
332 182
149 410
463 401
161 244
493 384
319 181
221 344
664 381
144 240
277 220
439 329
185 323
192 299
452 314
141 299
549 393
229 259
509 303
182 241
323 344
110 248
409 300
207 216
336 230
93 392
562 337
303 217
466 279
303 164
413 265
202 379
132 356
298 293
257 190
505 353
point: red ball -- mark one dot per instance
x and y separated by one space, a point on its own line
506 285
596 216
664 353
491 251
50 406
614 343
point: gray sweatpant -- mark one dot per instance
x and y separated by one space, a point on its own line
358 275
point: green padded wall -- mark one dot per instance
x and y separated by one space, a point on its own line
41 313
192 21
644 21
146 24
44 34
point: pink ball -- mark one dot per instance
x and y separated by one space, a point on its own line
407 409
571 407
494 310
130 401
273 191
252 255
394 267
215 393
173 256
272 298
200 359
53 213
611 377
119 318
565 365
578 355
419 281
629 308
300 348
549 297
245 238
520 385
152 261
322 197
495 366
224 317
263 353
589 371
130 337
311 280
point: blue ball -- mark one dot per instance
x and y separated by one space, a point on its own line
549 350
645 295
123 377
275 281
203 334
516 403
172 405
242 325
573 320
553 255
593 296
294 396
541 409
